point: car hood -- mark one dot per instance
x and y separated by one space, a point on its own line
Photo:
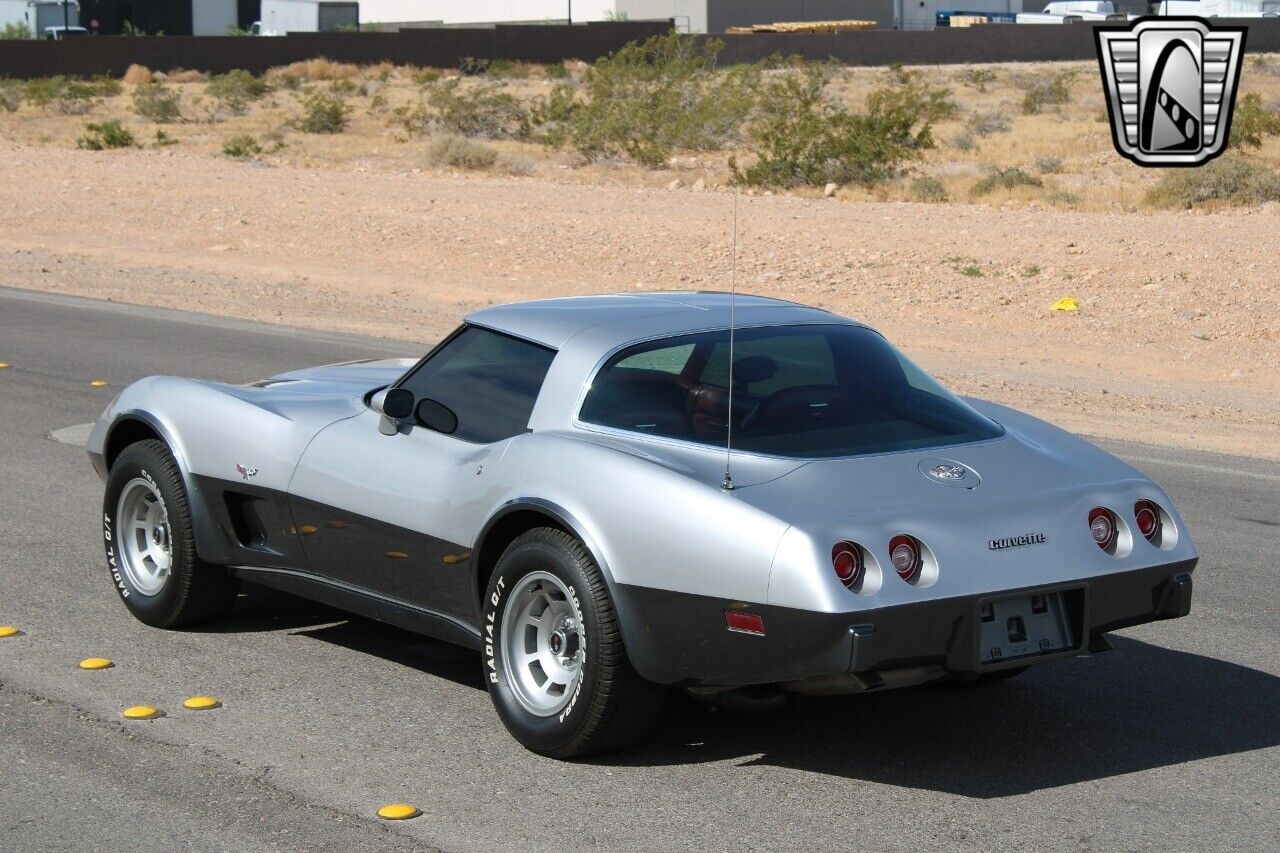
366 374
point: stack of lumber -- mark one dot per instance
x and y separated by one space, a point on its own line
969 20
804 27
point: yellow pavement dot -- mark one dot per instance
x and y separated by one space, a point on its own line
9 631
201 703
141 712
98 383
398 811
3 365
308 529
396 555
1066 303
96 663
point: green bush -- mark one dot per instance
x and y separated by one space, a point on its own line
323 113
66 95
552 116
556 71
235 90
508 69
457 152
478 110
1049 93
914 93
646 100
1231 179
978 78
801 137
1252 122
241 147
43 91
928 189
1008 179
157 102
14 31
104 135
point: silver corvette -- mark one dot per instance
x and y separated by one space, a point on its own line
607 496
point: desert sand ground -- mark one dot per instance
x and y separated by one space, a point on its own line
1177 340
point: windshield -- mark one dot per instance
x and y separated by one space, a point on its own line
799 391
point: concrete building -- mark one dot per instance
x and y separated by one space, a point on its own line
694 16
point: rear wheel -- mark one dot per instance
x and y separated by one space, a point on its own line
554 661
150 543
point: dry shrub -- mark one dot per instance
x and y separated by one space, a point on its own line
182 75
455 151
315 69
138 74
323 113
1005 179
1229 180
382 71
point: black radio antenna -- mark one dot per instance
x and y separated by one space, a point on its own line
727 485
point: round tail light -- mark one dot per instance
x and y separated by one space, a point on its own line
1147 514
846 559
904 553
1102 527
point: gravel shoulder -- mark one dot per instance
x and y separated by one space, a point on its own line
1177 340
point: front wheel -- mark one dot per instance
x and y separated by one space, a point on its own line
150 543
554 660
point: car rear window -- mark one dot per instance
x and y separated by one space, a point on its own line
801 391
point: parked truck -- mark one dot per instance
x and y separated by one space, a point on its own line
280 17
1072 11
40 16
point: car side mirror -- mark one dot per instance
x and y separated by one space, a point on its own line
437 417
395 405
398 403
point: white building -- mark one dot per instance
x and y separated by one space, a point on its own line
694 16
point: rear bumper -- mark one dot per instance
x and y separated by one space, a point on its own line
676 638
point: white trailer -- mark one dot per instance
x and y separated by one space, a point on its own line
280 17
38 15
1220 8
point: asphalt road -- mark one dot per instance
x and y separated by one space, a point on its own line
1171 741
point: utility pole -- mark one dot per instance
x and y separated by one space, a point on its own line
66 18
571 13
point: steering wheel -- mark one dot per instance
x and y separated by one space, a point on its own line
803 405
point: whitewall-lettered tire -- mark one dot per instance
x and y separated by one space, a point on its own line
553 654
150 544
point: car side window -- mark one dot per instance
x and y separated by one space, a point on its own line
490 381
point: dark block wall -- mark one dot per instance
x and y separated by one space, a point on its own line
436 48
988 43
446 48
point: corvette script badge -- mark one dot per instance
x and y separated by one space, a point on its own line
1015 541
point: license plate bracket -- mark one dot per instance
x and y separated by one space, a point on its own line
1023 626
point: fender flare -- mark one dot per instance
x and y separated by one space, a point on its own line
211 542
641 652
